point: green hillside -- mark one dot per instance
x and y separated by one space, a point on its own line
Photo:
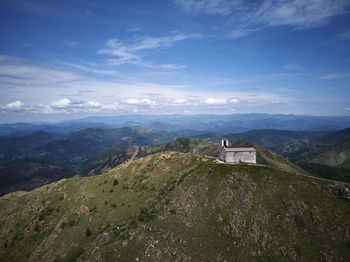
14 147
75 147
267 157
179 207
295 148
117 155
107 160
28 174
336 137
264 137
328 172
337 155
184 145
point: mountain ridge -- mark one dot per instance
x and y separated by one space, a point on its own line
180 206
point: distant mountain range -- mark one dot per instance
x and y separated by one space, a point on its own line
79 145
93 151
197 123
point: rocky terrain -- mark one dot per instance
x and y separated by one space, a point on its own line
179 207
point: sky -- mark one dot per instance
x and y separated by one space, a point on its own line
71 59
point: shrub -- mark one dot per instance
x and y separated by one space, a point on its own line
88 232
63 196
75 254
115 182
36 226
93 209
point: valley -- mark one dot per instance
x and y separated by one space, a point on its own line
93 151
134 193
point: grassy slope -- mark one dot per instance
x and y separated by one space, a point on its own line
115 156
327 172
184 145
312 141
295 148
337 155
106 160
171 206
267 157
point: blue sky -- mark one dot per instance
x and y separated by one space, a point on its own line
69 59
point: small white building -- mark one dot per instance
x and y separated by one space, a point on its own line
238 154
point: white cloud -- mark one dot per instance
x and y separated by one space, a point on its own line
71 43
70 93
167 66
132 101
167 101
335 76
128 53
293 67
112 107
211 7
215 101
115 47
347 108
237 33
220 101
345 35
144 101
14 106
62 103
148 42
244 17
87 68
93 104
23 73
180 101
300 13
275 102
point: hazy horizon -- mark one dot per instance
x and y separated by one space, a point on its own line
64 60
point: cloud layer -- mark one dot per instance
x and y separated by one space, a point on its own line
123 53
243 17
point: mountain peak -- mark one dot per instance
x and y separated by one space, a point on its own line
173 205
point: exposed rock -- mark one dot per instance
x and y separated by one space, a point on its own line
220 220
330 256
316 217
295 207
339 190
316 185
289 253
